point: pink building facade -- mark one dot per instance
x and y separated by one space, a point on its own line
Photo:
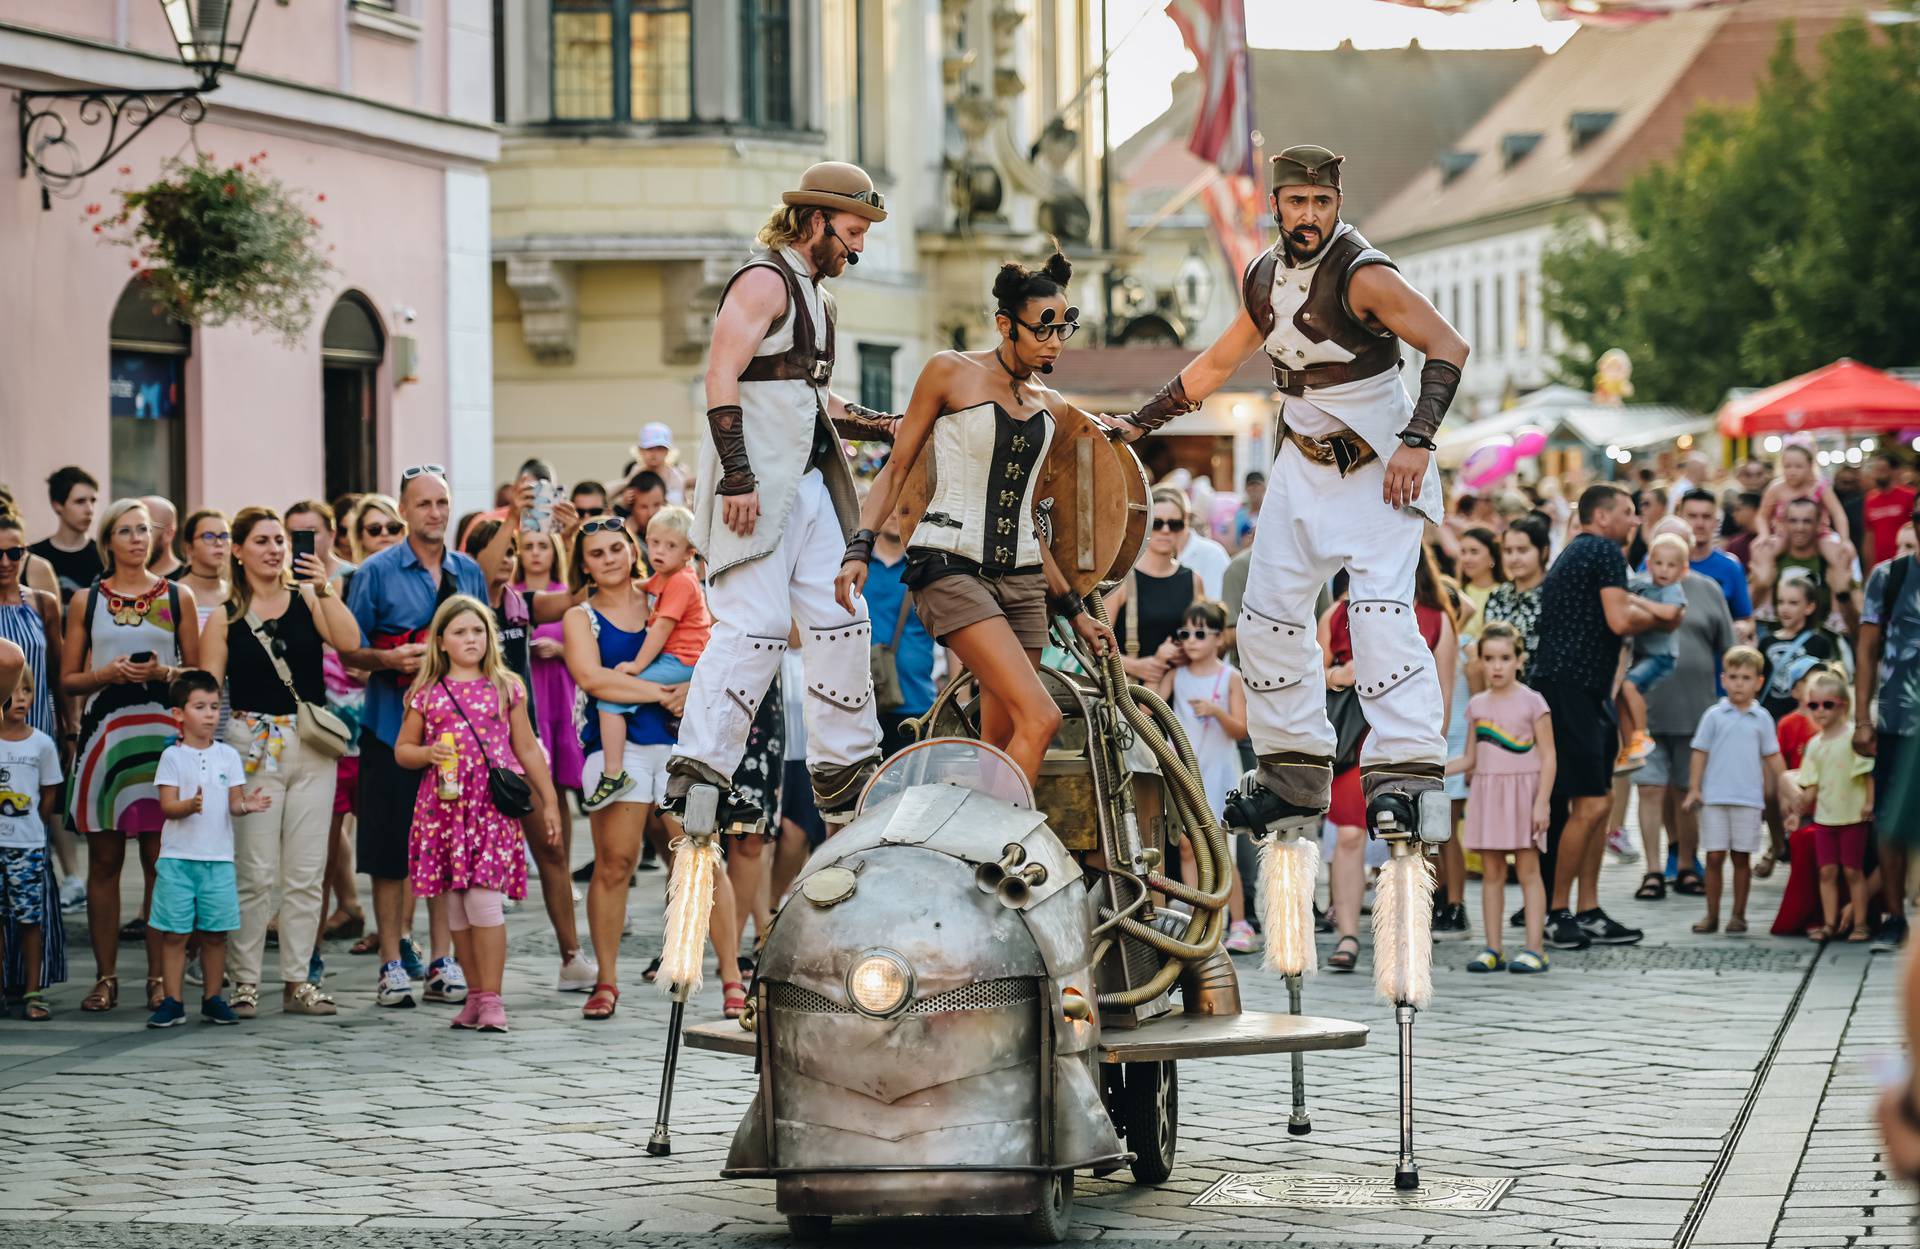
385 109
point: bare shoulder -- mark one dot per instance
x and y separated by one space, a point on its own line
758 290
1370 282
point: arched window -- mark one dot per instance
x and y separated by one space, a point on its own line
146 397
352 347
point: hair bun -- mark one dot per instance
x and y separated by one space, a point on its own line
1009 282
1058 269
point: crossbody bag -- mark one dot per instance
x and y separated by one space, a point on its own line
511 793
319 730
887 692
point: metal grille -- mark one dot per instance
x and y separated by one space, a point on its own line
792 997
986 995
1320 1191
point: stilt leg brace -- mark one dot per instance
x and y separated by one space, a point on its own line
837 788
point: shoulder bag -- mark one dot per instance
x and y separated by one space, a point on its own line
512 795
319 730
887 693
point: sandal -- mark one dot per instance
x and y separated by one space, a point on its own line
245 1000
1736 926
1344 959
33 1006
1858 934
1689 883
735 1000
348 924
1706 926
1653 887
1763 866
605 1000
1528 963
1487 960
156 992
369 944
105 995
652 972
1819 932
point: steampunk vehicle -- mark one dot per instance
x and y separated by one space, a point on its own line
969 996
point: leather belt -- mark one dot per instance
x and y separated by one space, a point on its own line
1343 452
1297 381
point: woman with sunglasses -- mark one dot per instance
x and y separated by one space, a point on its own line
128 635
1150 601
983 583
280 616
376 526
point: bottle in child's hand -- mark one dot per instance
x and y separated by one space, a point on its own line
449 771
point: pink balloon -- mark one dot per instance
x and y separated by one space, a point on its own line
1487 463
1529 441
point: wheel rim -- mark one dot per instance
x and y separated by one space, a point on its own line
1165 1127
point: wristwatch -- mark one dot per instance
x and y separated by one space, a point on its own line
1419 442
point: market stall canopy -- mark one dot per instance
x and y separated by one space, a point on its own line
1591 12
1594 425
1845 395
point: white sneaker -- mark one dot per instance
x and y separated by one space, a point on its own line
626 925
395 988
1622 845
73 893
1241 938
192 973
578 974
446 982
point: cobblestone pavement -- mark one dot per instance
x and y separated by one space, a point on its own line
1689 1091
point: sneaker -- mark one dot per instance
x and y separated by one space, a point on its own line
649 859
1457 920
193 974
1564 932
492 1015
1890 933
1602 930
1621 845
73 893
626 925
396 988
1519 918
1449 921
584 873
1640 747
216 1010
1528 963
1240 937
578 974
171 1014
316 969
609 789
410 958
446 982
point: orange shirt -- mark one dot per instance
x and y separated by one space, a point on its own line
676 596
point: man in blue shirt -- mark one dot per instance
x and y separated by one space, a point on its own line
913 655
1701 511
393 597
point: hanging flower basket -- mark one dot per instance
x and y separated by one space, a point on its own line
218 244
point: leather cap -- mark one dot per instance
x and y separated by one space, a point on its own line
839 186
1307 164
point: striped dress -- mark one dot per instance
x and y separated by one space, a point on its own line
124 728
20 623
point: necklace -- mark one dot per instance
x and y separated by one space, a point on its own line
1013 379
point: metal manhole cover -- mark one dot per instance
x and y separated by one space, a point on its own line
1740 956
1322 1191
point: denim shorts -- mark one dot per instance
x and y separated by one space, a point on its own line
195 895
666 670
1649 670
23 884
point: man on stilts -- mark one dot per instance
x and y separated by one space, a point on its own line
776 504
1352 486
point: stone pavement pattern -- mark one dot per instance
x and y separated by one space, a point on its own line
1620 1092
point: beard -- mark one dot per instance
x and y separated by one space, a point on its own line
828 257
1304 242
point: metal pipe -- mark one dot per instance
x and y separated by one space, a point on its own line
1406 1175
1299 1123
660 1144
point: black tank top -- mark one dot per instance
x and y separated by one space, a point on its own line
253 683
1163 603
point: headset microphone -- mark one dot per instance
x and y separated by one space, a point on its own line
853 257
1047 368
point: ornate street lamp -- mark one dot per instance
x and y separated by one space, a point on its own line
208 34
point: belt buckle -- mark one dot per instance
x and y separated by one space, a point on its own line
1344 456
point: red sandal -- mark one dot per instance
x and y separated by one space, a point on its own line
735 1000
605 1000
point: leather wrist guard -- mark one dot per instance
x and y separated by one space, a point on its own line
1438 381
859 547
1170 401
730 444
1067 605
862 424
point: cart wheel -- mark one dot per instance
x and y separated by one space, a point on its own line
1048 1225
1152 1114
810 1229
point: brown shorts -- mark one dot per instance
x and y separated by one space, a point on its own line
960 599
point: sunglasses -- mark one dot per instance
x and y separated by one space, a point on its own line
213 539
591 511
375 529
1825 704
1193 635
861 197
1171 526
423 470
605 524
14 554
1066 327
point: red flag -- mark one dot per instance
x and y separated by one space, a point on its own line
1237 215
1216 34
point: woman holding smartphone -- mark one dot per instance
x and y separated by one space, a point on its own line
267 648
128 635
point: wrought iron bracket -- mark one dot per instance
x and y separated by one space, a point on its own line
125 114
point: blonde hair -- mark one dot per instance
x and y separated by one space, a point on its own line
103 537
557 573
787 226
671 519
1744 657
434 666
369 503
1826 677
1662 541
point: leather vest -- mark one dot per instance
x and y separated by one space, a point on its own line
808 360
1325 316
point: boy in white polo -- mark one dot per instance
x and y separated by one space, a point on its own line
194 888
1736 756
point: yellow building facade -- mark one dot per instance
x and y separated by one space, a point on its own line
635 170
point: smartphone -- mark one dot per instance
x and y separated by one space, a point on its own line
302 542
141 657
539 517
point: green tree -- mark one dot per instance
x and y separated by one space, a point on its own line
1780 236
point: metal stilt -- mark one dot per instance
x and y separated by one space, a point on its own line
1406 1175
660 1144
1299 1123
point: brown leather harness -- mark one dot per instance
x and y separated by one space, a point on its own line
1326 315
805 361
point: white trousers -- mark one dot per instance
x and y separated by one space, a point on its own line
286 845
753 605
1314 523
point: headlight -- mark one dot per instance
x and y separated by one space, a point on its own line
879 983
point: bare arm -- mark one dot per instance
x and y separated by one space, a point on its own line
48 606
1763 519
213 646
1446 657
659 631
749 309
1549 759
188 639
1866 668
409 751
173 806
1235 720
1208 371
1836 515
1629 614
929 397
583 663
335 624
1695 778
1377 293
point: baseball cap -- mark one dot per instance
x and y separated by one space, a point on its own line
655 434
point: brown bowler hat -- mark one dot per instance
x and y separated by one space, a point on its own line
1307 164
839 186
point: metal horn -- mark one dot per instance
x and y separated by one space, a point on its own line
1016 889
988 877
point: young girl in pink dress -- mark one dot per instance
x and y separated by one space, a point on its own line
466 712
1509 766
